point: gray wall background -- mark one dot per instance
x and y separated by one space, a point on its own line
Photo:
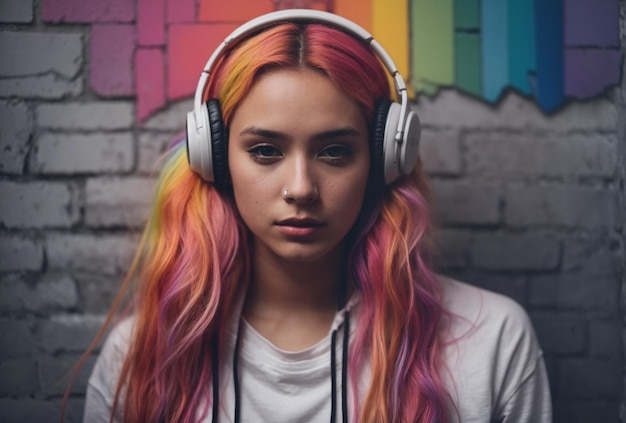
530 205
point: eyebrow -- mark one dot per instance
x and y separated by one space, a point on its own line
347 131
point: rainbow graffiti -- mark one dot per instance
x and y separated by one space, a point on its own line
550 50
547 50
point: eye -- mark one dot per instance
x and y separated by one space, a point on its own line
264 153
336 154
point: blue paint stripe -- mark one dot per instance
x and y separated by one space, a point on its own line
495 60
549 17
521 44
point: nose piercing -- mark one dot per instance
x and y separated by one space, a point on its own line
285 191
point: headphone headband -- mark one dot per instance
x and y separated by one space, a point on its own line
301 15
397 131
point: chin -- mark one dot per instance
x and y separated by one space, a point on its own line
303 257
306 254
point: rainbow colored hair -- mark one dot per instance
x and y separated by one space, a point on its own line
194 260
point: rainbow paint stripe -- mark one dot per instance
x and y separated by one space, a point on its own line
547 49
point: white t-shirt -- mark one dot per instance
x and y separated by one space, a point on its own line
494 368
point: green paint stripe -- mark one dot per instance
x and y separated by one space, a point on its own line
467 14
467 61
432 43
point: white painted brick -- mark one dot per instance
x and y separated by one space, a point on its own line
18 253
52 292
104 115
16 11
108 254
75 409
19 376
507 251
582 377
576 291
38 204
41 87
454 247
40 53
68 332
152 146
452 109
173 118
595 254
499 155
15 132
606 338
28 410
440 152
466 202
118 201
560 206
560 332
72 154
97 291
577 411
17 338
53 372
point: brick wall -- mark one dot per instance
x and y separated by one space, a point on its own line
530 205
621 179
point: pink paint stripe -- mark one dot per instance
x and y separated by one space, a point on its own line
189 47
119 11
151 22
110 70
181 11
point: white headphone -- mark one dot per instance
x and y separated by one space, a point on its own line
396 131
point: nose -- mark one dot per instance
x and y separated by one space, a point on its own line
301 183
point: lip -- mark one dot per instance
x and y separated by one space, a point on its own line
299 227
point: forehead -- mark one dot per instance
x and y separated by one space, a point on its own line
296 98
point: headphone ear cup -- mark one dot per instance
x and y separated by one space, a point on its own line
410 144
400 157
390 144
219 143
199 144
377 151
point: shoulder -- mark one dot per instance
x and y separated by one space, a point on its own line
492 356
475 309
119 338
487 323
111 357
104 378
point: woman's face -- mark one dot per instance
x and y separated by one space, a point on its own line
299 161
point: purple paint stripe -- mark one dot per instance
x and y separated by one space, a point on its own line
592 23
590 72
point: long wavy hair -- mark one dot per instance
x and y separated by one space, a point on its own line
194 260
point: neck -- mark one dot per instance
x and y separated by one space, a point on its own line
286 285
292 304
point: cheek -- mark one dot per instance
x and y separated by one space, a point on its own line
246 192
348 195
243 189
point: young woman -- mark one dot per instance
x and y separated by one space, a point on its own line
286 275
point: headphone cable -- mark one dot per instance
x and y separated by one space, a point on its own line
333 375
